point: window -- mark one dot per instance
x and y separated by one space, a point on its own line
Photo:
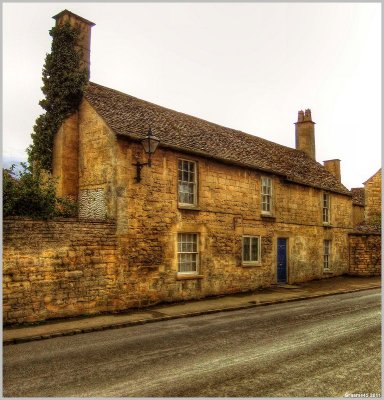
187 253
251 249
266 195
327 255
187 182
326 208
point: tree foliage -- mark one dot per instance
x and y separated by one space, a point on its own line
33 195
63 84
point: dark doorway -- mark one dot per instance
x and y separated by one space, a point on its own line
281 260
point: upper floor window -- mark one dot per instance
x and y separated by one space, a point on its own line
266 195
251 249
326 208
187 253
326 254
187 182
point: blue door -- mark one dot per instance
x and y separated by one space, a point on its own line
281 260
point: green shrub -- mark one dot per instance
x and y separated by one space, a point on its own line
33 195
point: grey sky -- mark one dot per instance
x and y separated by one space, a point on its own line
248 66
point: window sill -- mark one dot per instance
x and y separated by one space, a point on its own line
270 217
253 264
327 225
182 277
188 207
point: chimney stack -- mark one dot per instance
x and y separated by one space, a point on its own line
84 43
305 133
333 166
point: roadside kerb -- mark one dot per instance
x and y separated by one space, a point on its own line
251 304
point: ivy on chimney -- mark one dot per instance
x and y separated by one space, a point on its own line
63 84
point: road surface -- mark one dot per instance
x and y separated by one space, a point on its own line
327 347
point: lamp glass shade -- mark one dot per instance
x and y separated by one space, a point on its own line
150 143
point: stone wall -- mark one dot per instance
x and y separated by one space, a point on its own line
365 254
148 220
97 162
358 214
65 158
58 269
373 197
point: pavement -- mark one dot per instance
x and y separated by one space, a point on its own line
261 297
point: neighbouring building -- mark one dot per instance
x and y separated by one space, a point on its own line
372 189
218 210
367 201
365 240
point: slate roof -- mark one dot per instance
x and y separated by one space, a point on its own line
358 196
129 116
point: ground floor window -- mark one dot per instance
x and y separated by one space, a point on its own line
326 255
188 253
251 249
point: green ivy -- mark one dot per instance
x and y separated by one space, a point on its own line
63 85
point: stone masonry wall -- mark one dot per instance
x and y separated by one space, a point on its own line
65 158
365 254
373 197
96 164
148 220
58 269
358 214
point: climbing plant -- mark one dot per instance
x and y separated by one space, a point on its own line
63 84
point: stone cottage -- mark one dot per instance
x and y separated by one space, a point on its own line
217 211
367 201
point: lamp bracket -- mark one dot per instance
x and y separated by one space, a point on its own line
139 167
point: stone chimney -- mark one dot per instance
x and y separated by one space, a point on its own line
305 133
84 43
65 160
333 166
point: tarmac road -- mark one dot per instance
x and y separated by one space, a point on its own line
326 347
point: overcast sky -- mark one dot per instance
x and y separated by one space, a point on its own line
247 66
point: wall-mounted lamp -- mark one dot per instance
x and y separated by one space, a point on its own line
150 144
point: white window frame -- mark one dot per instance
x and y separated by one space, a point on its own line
187 254
326 208
266 195
191 182
251 261
326 255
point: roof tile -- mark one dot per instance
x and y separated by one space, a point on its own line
358 196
